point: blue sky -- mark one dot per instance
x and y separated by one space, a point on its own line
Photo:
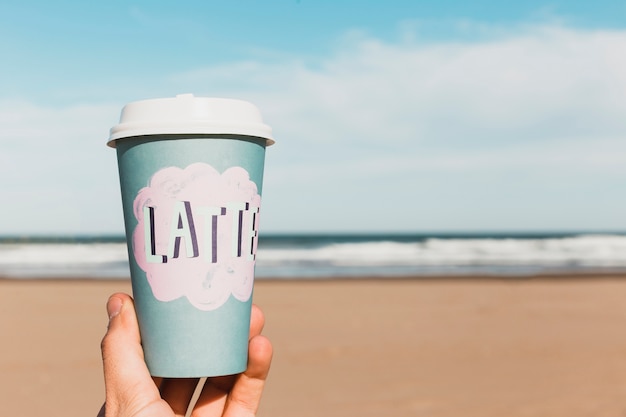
389 116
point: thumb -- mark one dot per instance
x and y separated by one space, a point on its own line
128 383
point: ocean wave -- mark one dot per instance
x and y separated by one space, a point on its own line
363 256
588 250
68 260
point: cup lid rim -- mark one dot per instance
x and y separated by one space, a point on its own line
186 114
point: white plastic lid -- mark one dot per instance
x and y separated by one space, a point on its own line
187 114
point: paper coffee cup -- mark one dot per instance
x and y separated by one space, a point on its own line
191 172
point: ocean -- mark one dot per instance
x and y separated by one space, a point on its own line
323 256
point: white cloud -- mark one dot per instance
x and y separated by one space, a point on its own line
543 110
390 125
519 87
59 175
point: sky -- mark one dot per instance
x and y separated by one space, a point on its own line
394 116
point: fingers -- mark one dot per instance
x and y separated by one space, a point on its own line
178 393
245 396
257 321
126 376
129 386
240 395
121 346
223 384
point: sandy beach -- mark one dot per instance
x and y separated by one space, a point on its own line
422 347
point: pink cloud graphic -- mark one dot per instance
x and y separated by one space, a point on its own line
197 234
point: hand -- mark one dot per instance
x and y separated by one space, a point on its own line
132 392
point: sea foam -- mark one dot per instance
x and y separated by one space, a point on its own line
363 255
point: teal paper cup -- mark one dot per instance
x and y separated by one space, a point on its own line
191 173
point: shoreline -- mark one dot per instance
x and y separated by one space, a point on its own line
479 347
571 275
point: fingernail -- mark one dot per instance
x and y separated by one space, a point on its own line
114 306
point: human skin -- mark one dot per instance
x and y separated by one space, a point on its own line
132 392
